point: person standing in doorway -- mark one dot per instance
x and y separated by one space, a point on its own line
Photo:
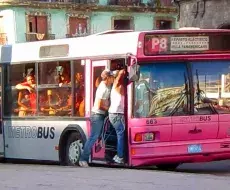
99 112
116 113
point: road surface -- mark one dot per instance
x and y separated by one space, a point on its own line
210 176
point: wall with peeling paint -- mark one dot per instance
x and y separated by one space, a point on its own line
9 25
99 21
204 13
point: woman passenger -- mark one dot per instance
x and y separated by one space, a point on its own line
27 99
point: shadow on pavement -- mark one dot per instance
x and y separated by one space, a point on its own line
216 168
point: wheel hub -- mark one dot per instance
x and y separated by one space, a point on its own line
75 150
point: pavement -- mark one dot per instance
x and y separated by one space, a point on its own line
203 176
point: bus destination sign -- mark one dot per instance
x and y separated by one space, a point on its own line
199 43
186 43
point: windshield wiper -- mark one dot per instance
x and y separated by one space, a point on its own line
183 96
201 95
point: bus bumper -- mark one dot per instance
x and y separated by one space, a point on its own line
149 154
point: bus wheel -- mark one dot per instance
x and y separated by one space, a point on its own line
73 149
167 166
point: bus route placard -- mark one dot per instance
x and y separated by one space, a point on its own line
166 44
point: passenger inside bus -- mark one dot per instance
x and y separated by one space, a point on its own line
80 94
56 73
27 96
79 81
79 97
62 76
79 104
50 102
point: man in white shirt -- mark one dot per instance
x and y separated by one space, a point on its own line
99 111
116 113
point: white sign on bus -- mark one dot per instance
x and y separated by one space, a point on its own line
199 43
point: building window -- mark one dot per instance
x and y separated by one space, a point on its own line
38 26
77 27
122 23
3 36
163 24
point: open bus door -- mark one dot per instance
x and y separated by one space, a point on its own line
97 68
105 148
1 127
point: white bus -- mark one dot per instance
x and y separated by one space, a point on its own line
44 124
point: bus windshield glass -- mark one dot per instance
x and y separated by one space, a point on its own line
163 89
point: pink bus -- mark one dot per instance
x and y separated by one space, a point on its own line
177 98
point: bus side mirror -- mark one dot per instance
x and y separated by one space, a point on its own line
134 73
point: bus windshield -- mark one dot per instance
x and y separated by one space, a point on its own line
163 88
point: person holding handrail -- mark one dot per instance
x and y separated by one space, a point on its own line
99 112
116 113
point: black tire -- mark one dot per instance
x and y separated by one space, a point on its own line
74 149
169 167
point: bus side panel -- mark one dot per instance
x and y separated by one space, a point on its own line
35 139
224 126
140 134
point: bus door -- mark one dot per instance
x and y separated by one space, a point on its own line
1 127
98 152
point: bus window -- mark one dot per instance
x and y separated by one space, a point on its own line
161 90
20 95
79 73
54 89
18 72
54 73
211 84
97 78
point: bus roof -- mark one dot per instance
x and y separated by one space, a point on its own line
95 46
103 45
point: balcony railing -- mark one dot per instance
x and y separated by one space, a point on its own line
38 37
57 1
66 1
124 2
166 3
3 38
76 35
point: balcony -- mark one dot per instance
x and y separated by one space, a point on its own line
166 3
55 1
30 37
66 1
124 2
76 35
3 38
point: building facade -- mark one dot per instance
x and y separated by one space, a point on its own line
32 20
204 13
